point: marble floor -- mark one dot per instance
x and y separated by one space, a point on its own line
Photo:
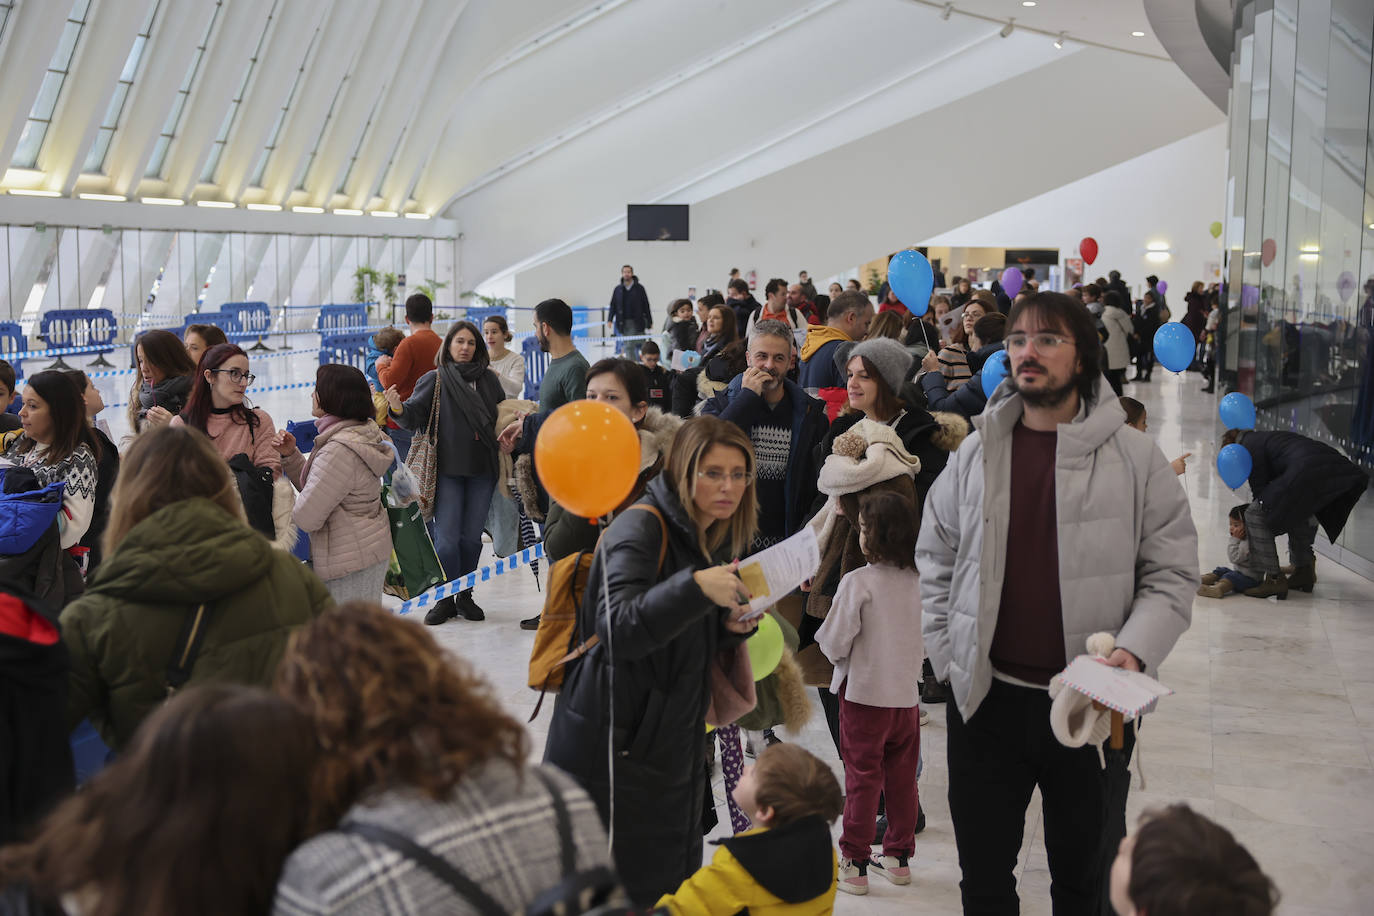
1266 732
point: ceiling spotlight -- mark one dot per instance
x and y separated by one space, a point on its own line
1059 41
1006 29
1028 3
1137 34
949 8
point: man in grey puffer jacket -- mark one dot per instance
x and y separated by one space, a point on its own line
1052 522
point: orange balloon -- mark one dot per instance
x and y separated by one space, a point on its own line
587 456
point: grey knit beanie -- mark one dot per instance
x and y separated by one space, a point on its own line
891 359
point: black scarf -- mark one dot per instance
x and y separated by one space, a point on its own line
458 380
170 392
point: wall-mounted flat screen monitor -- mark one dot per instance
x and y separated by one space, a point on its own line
657 222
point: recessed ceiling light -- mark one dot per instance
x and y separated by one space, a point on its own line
346 211
114 197
35 192
163 201
307 209
217 204
1028 2
1137 34
272 207
387 214
426 216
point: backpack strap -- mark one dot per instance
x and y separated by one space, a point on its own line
189 640
576 891
585 646
461 884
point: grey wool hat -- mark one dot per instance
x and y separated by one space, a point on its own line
891 359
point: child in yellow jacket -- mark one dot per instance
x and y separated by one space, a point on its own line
786 863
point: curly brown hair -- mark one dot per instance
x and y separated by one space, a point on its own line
408 713
890 527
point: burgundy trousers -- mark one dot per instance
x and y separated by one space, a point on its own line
881 747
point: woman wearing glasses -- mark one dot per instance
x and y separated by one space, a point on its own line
641 693
218 406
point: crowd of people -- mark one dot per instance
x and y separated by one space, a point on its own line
347 764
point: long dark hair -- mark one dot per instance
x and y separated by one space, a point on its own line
196 817
729 329
480 356
196 414
165 352
67 407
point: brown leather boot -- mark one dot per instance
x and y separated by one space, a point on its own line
1210 578
1272 585
1219 589
1303 578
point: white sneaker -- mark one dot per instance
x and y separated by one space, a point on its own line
854 877
925 718
893 868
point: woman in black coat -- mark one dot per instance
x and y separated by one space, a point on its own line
1298 483
642 691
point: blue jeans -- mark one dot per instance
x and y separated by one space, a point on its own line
1239 580
460 513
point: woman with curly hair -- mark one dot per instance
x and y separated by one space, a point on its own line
195 816
417 751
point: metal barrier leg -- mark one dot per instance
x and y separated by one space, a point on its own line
260 347
101 362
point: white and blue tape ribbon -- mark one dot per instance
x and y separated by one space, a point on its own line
463 583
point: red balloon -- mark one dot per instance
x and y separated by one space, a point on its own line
1088 249
1268 251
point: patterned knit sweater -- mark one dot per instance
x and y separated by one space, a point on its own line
80 473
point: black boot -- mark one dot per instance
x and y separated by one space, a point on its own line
469 607
444 609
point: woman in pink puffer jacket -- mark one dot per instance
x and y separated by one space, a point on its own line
340 503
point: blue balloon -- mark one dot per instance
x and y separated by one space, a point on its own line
1233 464
1175 346
1237 411
690 359
910 276
995 369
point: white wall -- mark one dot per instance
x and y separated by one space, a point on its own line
1168 195
919 180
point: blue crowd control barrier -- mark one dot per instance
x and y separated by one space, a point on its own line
12 341
79 328
178 331
536 362
334 319
254 320
581 315
225 321
350 349
482 313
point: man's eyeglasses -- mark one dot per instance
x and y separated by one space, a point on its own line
720 477
1043 342
237 375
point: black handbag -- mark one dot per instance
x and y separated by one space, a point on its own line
255 489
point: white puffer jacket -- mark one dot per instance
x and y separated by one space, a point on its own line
1119 331
1127 545
340 504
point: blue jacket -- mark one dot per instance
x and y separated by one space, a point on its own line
968 400
370 367
821 370
741 406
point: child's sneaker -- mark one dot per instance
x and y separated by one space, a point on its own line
854 877
893 868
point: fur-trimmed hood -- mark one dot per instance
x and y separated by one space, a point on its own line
952 432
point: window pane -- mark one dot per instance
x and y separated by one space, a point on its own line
95 159
79 9
170 125
26 153
47 96
159 156
116 105
208 174
62 57
131 63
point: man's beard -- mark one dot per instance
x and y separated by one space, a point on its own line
543 341
1045 397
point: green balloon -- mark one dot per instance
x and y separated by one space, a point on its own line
765 647
1215 229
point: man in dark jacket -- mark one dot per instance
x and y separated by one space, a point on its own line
784 423
1298 484
629 314
742 301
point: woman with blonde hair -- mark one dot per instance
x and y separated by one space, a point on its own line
419 758
196 816
887 324
183 573
664 599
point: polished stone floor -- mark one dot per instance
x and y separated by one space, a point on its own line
1266 732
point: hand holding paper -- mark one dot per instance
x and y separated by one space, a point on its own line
770 574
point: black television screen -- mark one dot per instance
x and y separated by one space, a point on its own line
657 222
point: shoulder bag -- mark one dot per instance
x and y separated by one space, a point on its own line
423 459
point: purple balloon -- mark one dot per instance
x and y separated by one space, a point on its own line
1012 279
1345 285
1163 286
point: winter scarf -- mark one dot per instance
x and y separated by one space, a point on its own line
461 379
170 393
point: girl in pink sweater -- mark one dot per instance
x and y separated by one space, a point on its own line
872 635
217 407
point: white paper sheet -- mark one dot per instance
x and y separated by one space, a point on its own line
1128 692
770 574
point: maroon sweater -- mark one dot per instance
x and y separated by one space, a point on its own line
1029 641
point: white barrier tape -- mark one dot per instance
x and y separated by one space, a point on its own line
463 583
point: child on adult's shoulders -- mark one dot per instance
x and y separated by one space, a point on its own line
1179 863
786 863
1221 581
